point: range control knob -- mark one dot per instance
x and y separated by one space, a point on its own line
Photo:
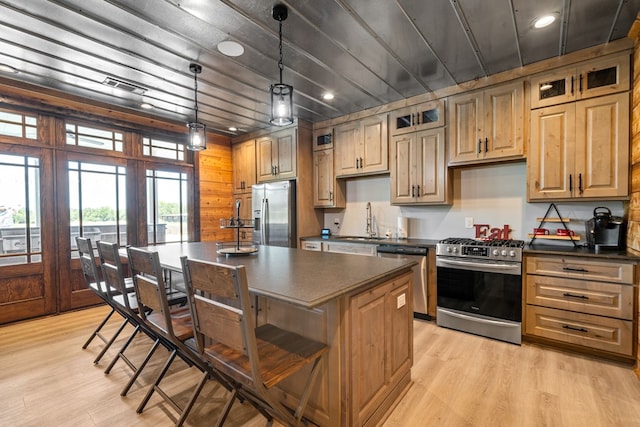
455 250
496 252
504 252
448 248
512 253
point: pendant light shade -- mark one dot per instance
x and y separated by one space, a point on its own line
197 130
281 94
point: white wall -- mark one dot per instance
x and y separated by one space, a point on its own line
494 195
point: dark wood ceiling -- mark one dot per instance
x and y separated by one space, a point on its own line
367 52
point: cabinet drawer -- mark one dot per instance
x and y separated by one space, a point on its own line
581 268
349 248
312 246
604 299
601 333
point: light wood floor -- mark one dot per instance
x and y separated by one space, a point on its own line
46 379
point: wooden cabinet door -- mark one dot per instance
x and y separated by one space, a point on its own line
400 312
369 375
504 121
466 120
603 76
431 176
602 147
553 88
403 165
285 155
265 155
550 166
374 145
323 178
346 144
244 166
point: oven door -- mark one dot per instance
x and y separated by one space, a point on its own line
486 288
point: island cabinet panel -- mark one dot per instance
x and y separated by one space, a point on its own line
380 349
585 302
370 338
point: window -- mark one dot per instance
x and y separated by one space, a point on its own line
163 149
167 214
18 125
84 136
97 203
20 211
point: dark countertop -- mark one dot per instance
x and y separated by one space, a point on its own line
306 278
539 249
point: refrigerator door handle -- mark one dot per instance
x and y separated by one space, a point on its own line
265 221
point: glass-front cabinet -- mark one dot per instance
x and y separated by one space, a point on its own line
427 115
587 80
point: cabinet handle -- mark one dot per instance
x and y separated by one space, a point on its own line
575 329
357 167
570 295
417 119
579 270
486 145
417 191
277 170
413 191
571 85
360 162
580 86
273 170
570 183
331 196
580 183
479 146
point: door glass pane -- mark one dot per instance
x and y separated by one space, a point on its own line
429 116
97 203
552 89
20 213
403 121
600 78
167 212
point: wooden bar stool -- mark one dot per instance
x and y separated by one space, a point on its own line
256 358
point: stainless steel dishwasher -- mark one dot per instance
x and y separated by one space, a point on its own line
418 254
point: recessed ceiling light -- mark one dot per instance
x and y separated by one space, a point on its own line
147 106
327 96
230 48
544 21
233 129
7 69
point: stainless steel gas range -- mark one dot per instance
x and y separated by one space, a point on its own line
479 287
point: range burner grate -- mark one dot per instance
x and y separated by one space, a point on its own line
508 243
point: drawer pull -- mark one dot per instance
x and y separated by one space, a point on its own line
579 270
575 329
569 295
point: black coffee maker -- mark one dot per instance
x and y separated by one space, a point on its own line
605 231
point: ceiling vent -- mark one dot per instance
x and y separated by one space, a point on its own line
121 84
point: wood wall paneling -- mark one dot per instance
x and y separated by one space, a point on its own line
215 189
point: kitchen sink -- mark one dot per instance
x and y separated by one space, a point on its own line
359 238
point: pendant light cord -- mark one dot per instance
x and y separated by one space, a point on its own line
195 84
280 64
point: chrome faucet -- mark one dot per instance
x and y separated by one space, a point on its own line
370 231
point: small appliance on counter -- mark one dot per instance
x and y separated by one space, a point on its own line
605 231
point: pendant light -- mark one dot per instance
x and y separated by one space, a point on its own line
197 130
281 94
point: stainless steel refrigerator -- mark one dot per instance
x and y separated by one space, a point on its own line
274 213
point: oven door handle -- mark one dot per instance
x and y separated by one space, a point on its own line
443 262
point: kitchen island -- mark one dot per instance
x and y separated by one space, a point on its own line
360 306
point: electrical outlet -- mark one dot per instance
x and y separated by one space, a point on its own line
336 221
468 222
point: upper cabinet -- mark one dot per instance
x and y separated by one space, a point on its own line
419 173
328 192
276 156
487 125
362 147
580 150
244 166
593 78
428 115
